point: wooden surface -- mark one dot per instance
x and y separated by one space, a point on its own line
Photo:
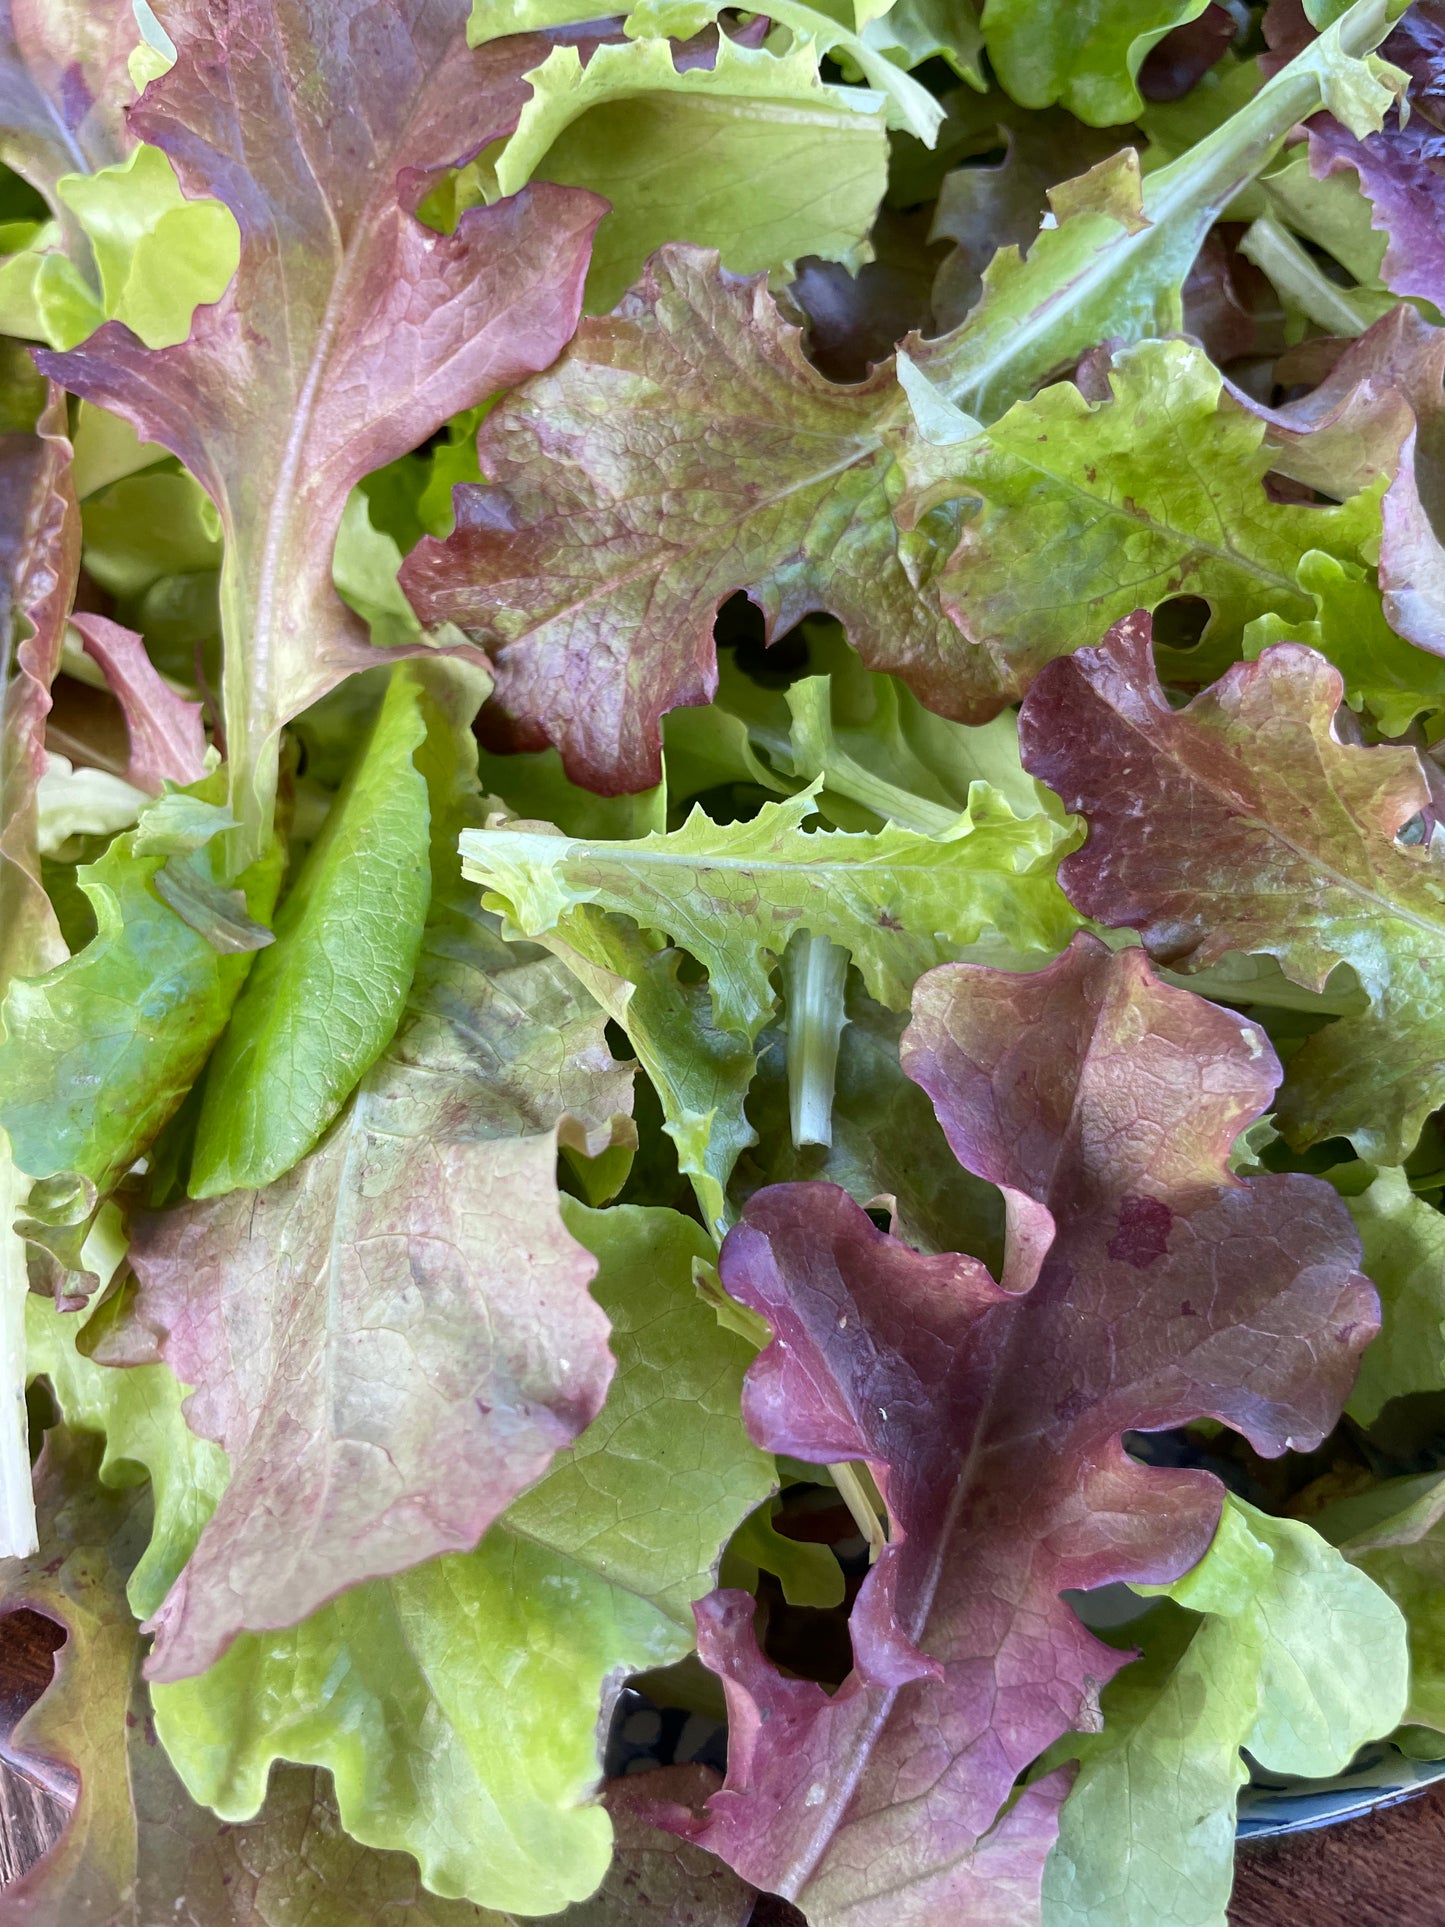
1385 1870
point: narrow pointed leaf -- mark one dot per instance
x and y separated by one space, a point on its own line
324 1000
734 894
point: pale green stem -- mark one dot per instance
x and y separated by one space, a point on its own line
1275 251
17 1501
855 1494
815 975
814 751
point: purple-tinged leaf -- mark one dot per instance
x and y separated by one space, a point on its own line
136 1850
167 736
1244 823
64 88
597 605
350 332
1145 1287
395 1338
39 561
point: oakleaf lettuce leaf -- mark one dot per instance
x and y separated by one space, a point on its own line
734 893
1266 833
1284 1650
640 482
353 331
1091 511
39 561
992 1415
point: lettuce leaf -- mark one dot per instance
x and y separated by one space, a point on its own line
354 331
993 1414
1266 834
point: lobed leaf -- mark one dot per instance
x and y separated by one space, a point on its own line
1297 1658
733 894
456 1705
993 1416
1244 823
353 331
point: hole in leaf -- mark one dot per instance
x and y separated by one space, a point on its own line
1180 622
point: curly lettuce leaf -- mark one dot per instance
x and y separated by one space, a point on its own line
99 1052
136 1849
751 153
733 894
457 1704
993 1414
353 331
1092 510
683 450
1246 824
1294 1656
39 562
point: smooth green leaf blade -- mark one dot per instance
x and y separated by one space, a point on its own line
755 156
1404 1242
1087 55
324 1000
733 894
1298 1657
99 1052
457 1705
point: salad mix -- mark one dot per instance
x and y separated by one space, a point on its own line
722 921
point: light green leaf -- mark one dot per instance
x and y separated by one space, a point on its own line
734 893
756 156
1404 1241
909 105
1383 673
701 1072
808 1573
1396 1534
99 1052
160 256
147 526
1091 511
457 1705
1093 276
912 31
326 997
1297 1657
364 568
138 1409
1087 55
